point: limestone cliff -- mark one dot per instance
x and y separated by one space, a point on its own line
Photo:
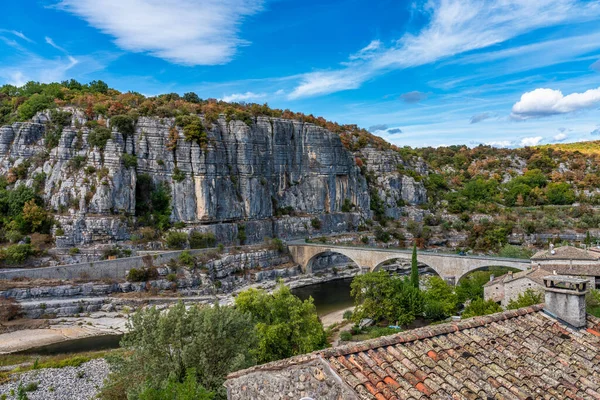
245 174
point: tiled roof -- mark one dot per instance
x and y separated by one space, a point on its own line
566 253
576 270
535 274
516 354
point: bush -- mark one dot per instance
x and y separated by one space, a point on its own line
178 175
142 274
124 124
347 206
74 250
77 162
186 258
528 298
37 102
277 244
199 240
16 253
9 309
62 118
176 240
163 348
129 160
481 307
315 223
99 136
241 235
345 336
172 277
347 315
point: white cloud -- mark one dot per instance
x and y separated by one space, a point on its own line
531 141
545 102
455 27
367 51
17 34
187 32
51 43
237 97
560 137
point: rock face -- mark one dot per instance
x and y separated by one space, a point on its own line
245 174
393 181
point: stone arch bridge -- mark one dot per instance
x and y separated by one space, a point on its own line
450 267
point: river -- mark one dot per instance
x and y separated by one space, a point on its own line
329 296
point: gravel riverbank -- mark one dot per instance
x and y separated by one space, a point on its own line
68 383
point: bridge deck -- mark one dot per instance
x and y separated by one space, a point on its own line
429 253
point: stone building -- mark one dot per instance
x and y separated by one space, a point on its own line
564 260
569 260
511 355
507 287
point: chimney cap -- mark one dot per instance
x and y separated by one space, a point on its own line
566 283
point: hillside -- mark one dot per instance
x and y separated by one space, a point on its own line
86 165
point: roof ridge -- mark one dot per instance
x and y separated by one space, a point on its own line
428 331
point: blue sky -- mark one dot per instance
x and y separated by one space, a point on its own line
419 73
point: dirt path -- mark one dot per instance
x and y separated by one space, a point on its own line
334 317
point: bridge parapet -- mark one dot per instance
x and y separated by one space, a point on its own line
448 266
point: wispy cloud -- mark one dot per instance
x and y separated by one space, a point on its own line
17 34
367 51
480 117
394 131
545 102
186 32
51 43
595 132
596 66
455 27
237 97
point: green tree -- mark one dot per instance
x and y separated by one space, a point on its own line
189 389
414 268
560 193
481 307
163 348
440 299
528 298
382 297
286 326
512 251
37 102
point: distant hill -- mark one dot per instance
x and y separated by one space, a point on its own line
589 147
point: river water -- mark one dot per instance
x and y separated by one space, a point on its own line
328 296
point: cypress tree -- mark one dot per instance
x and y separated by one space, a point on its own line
414 268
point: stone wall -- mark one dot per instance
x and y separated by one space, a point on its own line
312 379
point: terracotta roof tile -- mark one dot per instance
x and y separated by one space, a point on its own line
517 354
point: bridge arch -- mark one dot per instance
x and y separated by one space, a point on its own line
407 263
310 264
485 268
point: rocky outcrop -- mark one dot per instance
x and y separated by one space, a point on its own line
394 179
245 174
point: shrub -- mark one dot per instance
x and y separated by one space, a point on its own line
347 206
186 258
16 253
199 240
37 102
142 274
277 244
77 162
124 124
178 175
347 315
62 118
480 306
99 136
382 235
241 235
129 160
315 223
74 250
172 277
176 240
9 309
345 336
528 298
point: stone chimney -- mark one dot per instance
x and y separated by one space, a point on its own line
565 299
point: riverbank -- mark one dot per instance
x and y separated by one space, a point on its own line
100 323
